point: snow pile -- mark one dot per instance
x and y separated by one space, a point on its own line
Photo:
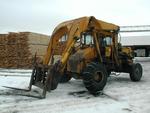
121 95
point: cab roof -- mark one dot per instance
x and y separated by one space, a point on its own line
85 21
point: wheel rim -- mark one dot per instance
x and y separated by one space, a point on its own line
98 76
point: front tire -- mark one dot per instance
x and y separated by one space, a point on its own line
94 77
136 72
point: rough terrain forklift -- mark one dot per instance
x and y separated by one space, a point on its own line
91 53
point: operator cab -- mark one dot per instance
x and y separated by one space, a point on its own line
87 40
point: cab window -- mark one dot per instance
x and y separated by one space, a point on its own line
63 38
87 39
107 41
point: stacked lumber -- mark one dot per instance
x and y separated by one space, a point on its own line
17 50
3 39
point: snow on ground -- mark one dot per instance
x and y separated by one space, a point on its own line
120 95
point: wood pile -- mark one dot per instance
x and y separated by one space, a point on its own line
18 49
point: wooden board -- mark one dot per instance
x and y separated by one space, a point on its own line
18 49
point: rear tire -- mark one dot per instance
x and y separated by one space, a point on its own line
136 72
94 77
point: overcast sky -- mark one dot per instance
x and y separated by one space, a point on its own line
42 16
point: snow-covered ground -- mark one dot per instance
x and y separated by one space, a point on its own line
121 95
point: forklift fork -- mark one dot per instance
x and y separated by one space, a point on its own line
39 77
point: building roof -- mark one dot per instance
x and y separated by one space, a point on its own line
135 40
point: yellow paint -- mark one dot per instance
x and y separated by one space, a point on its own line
127 50
74 28
107 51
